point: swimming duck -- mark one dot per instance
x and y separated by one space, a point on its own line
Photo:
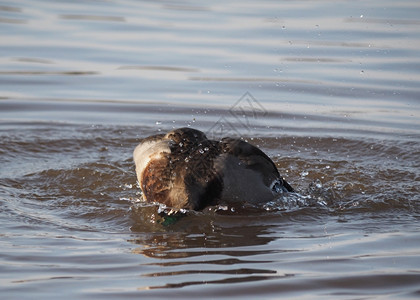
184 170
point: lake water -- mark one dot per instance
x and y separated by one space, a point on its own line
330 90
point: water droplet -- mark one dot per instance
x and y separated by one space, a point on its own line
304 173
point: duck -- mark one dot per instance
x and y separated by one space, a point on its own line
183 169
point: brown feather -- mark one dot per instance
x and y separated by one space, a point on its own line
183 169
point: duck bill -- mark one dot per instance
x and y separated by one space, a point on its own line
287 188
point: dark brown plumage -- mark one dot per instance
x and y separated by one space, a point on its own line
185 170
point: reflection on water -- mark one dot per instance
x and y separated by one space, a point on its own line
92 18
72 73
221 249
329 90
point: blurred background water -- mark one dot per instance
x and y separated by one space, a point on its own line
330 90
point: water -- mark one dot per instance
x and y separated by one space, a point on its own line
329 90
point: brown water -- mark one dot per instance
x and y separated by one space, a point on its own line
329 90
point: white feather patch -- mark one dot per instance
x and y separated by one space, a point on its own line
147 151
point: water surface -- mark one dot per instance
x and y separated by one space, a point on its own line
329 90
